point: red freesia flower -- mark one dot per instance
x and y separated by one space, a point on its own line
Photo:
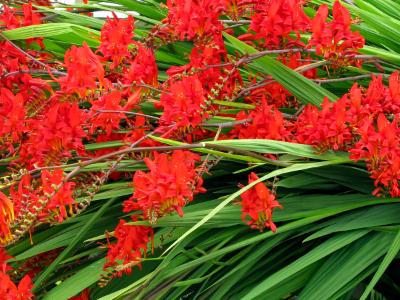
106 121
205 59
84 71
12 115
10 291
265 122
327 128
337 125
31 194
139 127
130 247
171 183
379 146
391 101
24 196
334 39
183 103
275 20
54 136
6 217
189 19
62 196
143 68
25 15
258 204
4 267
116 36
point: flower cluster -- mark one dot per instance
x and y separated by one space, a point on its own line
8 289
258 204
325 129
335 40
379 146
171 183
265 122
116 37
358 123
53 136
130 247
194 19
275 21
183 103
85 71
51 190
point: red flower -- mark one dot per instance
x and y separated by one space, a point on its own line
171 183
62 197
143 68
335 39
84 71
265 122
338 125
274 93
23 197
189 19
32 18
106 121
8 18
325 129
6 217
84 295
31 194
12 115
237 8
275 20
4 267
391 101
183 103
380 148
258 203
54 136
9 291
139 127
215 80
116 36
130 247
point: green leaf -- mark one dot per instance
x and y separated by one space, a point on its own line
386 214
77 282
279 147
330 246
74 34
344 265
79 237
143 8
390 255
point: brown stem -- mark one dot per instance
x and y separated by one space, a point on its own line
127 112
351 78
32 71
